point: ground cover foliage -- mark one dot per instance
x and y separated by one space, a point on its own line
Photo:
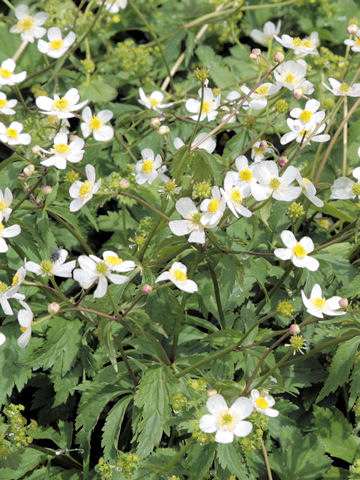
179 240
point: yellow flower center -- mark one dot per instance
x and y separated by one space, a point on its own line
179 275
113 260
147 166
236 196
3 205
3 287
356 189
299 251
305 116
306 180
5 73
46 266
246 175
227 420
25 24
307 43
262 90
297 42
60 104
274 183
85 189
290 78
319 302
153 101
101 268
196 217
95 123
1 227
258 150
213 205
23 329
261 403
3 103
344 88
12 132
324 222
15 280
206 107
61 148
357 41
56 44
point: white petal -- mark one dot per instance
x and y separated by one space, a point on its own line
216 404
242 429
288 238
207 423
243 407
223 436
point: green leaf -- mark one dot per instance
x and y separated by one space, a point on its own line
97 91
230 457
112 428
199 460
105 335
331 209
26 461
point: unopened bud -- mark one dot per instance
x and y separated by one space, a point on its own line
147 288
211 392
163 130
53 307
73 137
279 57
29 170
298 93
36 149
255 53
294 329
124 183
46 189
282 161
263 144
352 29
343 302
155 122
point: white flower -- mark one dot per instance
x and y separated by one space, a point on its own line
230 105
297 252
7 75
28 26
318 306
57 46
82 192
60 107
117 264
25 318
257 99
5 202
265 36
355 43
213 209
309 116
2 338
56 266
343 89
6 106
209 106
244 175
302 134
301 47
93 269
258 153
177 275
291 74
309 190
95 125
344 188
12 134
209 144
227 422
149 168
7 292
7 232
191 225
271 185
234 194
64 152
153 101
263 402
113 6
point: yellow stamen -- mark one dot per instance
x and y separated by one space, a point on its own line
246 175
357 41
61 104
306 116
236 196
56 44
227 420
307 43
147 166
95 123
113 260
46 266
3 103
15 280
299 251
153 101
289 78
3 205
196 217
61 148
179 275
356 188
261 403
258 151
206 107
85 189
101 268
344 88
319 302
297 42
3 287
25 24
1 227
274 183
262 90
5 73
12 132
213 205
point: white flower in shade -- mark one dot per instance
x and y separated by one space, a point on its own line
29 26
63 152
96 125
296 251
227 422
209 106
56 266
270 184
7 292
343 89
234 193
244 175
191 225
2 338
153 101
306 88
318 306
263 402
265 36
149 168
7 232
209 144
230 104
302 134
309 115
354 43
6 106
113 6
56 46
25 319
258 153
60 107
117 264
309 190
12 134
5 201
344 188
213 209
301 47
82 192
178 276
93 269
258 99
7 75
291 74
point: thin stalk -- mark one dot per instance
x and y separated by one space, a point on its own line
222 320
146 204
124 145
266 5
28 194
266 458
345 138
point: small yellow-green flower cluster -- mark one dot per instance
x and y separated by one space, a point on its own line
295 210
282 106
334 65
133 58
14 433
201 190
286 308
104 469
253 440
128 464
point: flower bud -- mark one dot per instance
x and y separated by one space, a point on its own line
46 189
73 137
124 183
343 302
211 392
255 53
29 170
147 288
53 307
294 329
263 144
155 122
279 57
352 29
298 93
36 149
282 161
163 130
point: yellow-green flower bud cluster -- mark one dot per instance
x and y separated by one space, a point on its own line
104 469
71 176
135 58
286 308
249 122
201 437
281 106
201 75
198 385
88 65
15 434
128 464
201 190
328 103
145 225
334 65
260 420
253 441
297 342
295 210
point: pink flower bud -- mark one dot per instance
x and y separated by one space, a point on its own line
282 161
155 122
124 183
73 137
294 329
46 189
255 54
53 307
279 57
147 288
343 302
211 392
263 144
29 170
352 29
163 130
298 93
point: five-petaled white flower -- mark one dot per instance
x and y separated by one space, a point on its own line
318 306
344 188
149 168
258 153
301 47
227 422
270 184
12 134
153 101
209 108
258 99
56 46
178 276
301 134
7 232
61 107
82 192
12 291
354 43
95 125
309 116
117 264
297 252
343 89
213 208
56 266
291 74
29 26
234 192
191 225
7 75
263 402
265 36
113 6
5 201
6 106
63 152
25 318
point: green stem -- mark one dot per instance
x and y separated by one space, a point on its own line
146 204
272 5
222 320
124 145
28 193
274 289
266 458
